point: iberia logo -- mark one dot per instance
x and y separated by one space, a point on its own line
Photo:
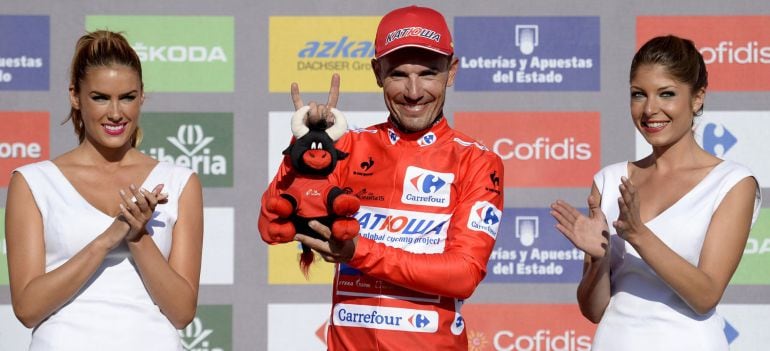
300 52
202 142
549 149
211 330
736 49
24 139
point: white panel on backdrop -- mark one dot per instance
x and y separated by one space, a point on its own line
299 326
746 326
13 335
733 135
279 133
217 260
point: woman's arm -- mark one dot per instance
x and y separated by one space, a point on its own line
36 294
700 287
173 284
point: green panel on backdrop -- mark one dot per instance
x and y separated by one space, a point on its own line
202 142
179 53
756 257
211 330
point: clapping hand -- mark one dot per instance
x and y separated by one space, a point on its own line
138 211
588 233
629 223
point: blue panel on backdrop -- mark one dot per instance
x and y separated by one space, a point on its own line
530 249
527 53
24 52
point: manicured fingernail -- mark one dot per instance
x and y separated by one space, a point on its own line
122 192
132 187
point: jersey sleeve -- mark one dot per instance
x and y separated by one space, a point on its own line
471 235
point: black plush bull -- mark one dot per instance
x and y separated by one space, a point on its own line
306 193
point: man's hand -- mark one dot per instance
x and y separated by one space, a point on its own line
318 112
332 250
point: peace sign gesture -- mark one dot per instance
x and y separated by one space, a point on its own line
318 112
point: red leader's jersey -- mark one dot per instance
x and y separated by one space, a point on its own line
430 210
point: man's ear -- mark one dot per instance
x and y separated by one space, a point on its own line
74 99
453 66
376 70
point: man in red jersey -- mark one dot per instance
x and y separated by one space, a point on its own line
431 201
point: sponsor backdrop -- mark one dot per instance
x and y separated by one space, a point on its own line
543 84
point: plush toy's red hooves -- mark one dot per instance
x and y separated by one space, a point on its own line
309 195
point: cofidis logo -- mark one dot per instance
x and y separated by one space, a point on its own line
24 52
26 142
530 249
211 330
544 149
301 52
546 327
733 135
202 142
179 53
736 49
756 256
528 53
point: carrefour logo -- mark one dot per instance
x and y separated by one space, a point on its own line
427 139
413 231
386 318
485 217
179 53
427 188
419 320
717 140
199 141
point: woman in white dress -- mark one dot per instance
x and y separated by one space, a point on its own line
664 234
104 242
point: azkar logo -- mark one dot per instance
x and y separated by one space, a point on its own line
485 217
736 49
427 188
344 47
299 51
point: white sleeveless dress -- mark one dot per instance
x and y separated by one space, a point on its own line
644 313
113 310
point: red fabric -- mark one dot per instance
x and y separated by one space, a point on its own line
430 208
